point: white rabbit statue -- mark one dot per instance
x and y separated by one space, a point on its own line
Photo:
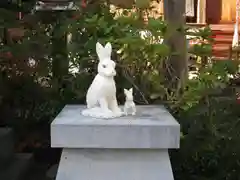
129 103
101 95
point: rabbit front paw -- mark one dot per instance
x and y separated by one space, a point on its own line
117 110
107 111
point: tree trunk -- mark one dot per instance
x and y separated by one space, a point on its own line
174 14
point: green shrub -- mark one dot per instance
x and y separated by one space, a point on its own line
209 148
210 118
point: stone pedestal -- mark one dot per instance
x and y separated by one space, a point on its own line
125 148
6 146
13 166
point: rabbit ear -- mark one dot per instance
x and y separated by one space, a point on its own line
108 49
100 51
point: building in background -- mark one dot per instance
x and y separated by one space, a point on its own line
215 11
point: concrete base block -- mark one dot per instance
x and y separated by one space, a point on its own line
114 164
18 168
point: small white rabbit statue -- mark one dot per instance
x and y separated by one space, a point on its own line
102 91
129 103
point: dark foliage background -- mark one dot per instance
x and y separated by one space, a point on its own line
42 70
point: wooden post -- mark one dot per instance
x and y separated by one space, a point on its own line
60 62
201 12
174 14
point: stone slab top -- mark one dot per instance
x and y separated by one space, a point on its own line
152 127
147 115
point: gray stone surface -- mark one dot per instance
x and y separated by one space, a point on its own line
6 146
114 164
52 172
17 169
153 127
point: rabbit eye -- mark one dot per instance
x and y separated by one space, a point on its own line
104 66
